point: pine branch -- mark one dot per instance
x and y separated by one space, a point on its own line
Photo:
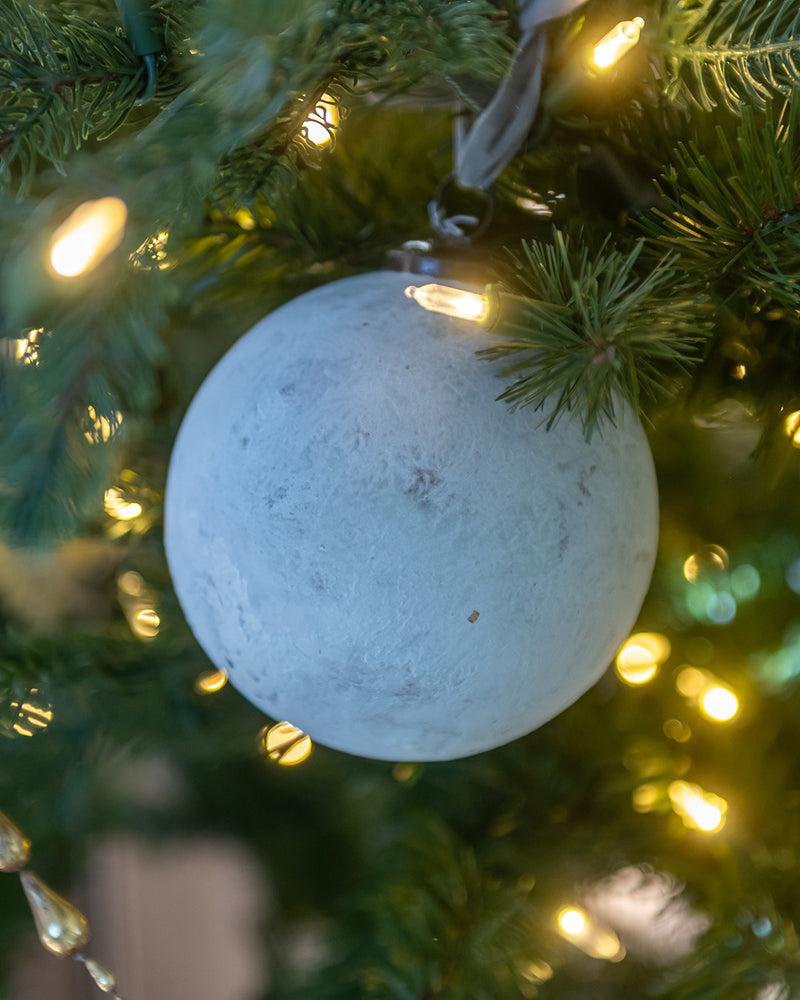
591 327
736 220
736 54
63 79
361 50
60 416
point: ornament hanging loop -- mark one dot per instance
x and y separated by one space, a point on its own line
460 228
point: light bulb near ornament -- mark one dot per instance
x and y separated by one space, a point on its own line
376 549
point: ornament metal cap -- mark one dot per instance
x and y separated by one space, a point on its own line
15 848
62 928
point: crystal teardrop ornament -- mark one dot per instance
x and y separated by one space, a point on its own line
62 928
103 978
15 848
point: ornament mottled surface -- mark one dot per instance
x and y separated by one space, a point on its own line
378 551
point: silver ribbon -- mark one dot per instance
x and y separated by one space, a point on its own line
500 129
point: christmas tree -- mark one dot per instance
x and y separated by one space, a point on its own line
624 190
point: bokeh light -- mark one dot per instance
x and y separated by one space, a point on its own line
103 428
641 655
710 560
699 810
645 797
594 939
719 703
572 921
792 427
211 681
676 730
320 126
116 506
24 714
690 682
88 236
285 743
146 623
702 689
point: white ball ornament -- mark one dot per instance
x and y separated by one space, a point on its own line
378 551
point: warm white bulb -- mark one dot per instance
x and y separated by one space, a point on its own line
88 236
323 121
448 301
571 921
617 42
719 703
697 808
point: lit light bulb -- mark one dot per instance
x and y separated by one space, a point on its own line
593 938
617 42
792 427
571 921
699 810
88 236
702 689
153 253
27 348
116 506
146 623
285 743
719 703
323 121
211 681
640 657
448 301
103 429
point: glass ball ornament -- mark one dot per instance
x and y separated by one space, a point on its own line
377 550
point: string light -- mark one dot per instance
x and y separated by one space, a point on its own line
28 715
640 657
146 623
138 602
596 940
103 429
613 46
27 348
321 124
699 810
572 922
211 682
705 691
792 428
88 236
153 253
719 703
285 743
455 302
118 507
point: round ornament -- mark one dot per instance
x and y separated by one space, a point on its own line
378 551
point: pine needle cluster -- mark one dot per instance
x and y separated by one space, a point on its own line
732 54
592 327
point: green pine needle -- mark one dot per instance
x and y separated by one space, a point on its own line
735 218
63 78
591 328
730 53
